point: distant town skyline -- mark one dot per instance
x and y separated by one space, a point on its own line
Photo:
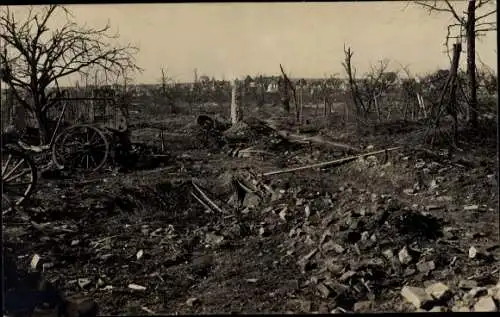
228 40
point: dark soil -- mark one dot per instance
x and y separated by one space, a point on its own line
145 227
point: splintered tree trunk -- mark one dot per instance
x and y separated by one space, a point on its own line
452 105
235 104
301 106
471 61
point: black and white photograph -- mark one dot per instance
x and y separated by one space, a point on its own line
249 157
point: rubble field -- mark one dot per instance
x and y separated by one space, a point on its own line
211 229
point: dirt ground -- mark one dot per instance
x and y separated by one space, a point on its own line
339 238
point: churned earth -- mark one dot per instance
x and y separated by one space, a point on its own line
374 234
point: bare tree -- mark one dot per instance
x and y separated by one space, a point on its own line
38 56
377 82
353 85
167 93
289 86
470 25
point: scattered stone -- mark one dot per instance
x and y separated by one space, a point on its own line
324 291
471 208
389 255
314 280
438 291
303 306
323 308
75 243
467 284
192 301
450 233
409 271
496 293
136 287
485 304
324 236
304 261
404 256
460 308
419 165
100 282
433 184
417 296
213 239
408 191
262 231
201 265
84 282
307 210
328 219
332 246
438 309
426 267
363 306
333 266
444 198
283 213
252 280
472 252
347 275
139 254
34 261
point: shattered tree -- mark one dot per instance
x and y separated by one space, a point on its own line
236 100
37 56
470 26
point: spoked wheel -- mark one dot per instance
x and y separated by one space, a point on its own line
81 147
19 176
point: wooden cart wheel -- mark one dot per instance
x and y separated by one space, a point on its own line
80 147
19 177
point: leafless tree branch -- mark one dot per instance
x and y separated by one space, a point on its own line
436 7
37 56
486 15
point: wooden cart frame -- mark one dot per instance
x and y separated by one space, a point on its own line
83 146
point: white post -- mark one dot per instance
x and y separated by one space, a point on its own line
235 103
421 104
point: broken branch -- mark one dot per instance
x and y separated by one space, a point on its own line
329 163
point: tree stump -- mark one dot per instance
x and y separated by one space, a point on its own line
236 114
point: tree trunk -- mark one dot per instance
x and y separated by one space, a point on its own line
452 103
235 104
324 103
471 62
41 120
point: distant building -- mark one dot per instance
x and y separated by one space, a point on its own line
272 87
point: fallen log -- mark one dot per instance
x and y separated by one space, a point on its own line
304 139
329 163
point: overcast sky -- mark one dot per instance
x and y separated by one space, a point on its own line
234 39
